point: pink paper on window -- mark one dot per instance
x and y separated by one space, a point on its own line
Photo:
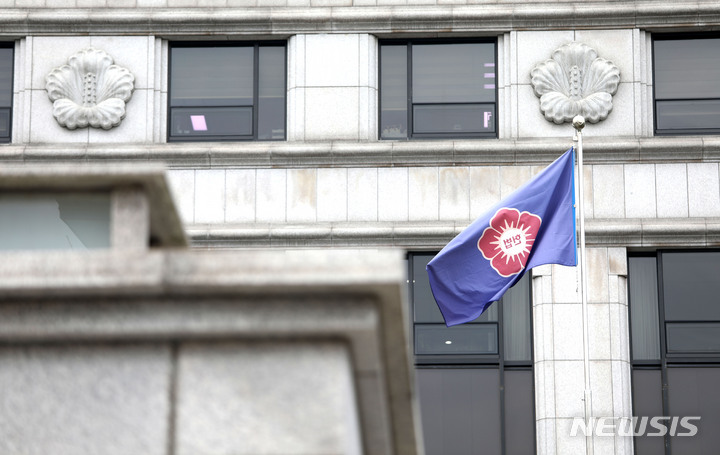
198 122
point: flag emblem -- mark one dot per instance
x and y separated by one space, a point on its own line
507 242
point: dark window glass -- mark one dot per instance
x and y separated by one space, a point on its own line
211 76
461 339
687 68
6 90
460 410
453 73
271 97
647 402
691 286
519 423
644 324
688 115
394 92
475 380
227 92
517 322
693 336
447 90
694 392
441 118
212 122
424 307
687 92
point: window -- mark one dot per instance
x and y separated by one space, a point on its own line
232 91
687 84
6 90
474 381
437 89
675 346
57 221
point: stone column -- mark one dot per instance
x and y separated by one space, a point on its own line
129 220
558 363
332 87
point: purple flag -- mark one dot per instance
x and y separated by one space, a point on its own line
533 226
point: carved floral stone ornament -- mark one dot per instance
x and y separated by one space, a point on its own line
575 82
89 90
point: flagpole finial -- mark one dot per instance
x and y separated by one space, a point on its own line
578 122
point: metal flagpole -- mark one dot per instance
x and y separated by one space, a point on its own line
579 123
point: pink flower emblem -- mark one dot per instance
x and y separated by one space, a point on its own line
509 239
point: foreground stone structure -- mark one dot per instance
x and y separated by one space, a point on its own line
163 350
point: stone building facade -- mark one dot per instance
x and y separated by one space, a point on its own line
332 175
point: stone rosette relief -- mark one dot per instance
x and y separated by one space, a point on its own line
89 91
575 81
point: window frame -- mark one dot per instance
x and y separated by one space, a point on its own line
666 355
496 362
256 45
679 357
411 134
10 107
679 131
467 359
667 361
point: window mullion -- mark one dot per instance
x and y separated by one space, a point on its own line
410 130
256 90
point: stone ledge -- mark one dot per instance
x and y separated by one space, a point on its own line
283 20
221 155
185 272
638 233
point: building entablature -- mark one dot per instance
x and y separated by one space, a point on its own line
276 19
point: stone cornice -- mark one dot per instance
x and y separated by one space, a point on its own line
489 18
631 233
206 155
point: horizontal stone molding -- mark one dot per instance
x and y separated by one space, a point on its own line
284 20
640 233
235 155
